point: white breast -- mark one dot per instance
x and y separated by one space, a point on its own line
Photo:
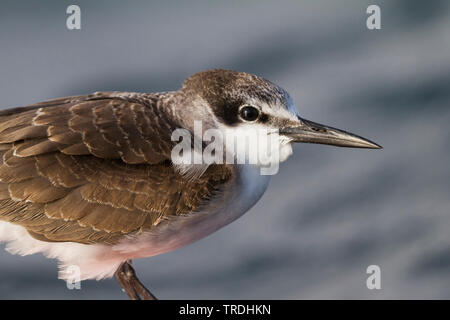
101 261
238 198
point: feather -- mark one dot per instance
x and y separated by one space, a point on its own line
93 169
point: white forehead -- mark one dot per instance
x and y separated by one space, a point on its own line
278 109
290 105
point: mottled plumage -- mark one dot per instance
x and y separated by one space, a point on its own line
90 180
91 169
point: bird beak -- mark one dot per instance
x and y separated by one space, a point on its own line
311 132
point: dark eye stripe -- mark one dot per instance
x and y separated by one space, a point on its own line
263 118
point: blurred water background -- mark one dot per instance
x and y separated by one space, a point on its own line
330 212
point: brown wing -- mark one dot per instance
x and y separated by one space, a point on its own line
102 125
91 169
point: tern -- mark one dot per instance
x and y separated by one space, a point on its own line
89 180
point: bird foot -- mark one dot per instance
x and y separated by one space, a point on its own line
126 277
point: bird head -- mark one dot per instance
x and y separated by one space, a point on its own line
239 102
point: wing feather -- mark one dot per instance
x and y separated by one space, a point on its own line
94 168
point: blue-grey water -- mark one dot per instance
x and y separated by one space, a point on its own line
330 212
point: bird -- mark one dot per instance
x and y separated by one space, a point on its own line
90 180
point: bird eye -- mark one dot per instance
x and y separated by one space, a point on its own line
249 113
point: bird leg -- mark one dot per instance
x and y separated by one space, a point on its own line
126 276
